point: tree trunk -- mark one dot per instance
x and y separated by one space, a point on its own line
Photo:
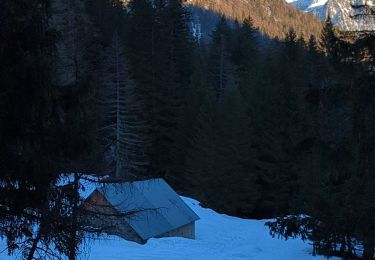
74 227
34 245
118 121
368 251
221 87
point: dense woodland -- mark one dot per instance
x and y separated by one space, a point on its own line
93 87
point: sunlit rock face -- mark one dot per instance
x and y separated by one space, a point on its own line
341 12
344 16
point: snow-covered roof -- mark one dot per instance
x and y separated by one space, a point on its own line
160 208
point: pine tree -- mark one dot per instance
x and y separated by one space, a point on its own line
173 72
245 56
313 63
235 156
329 40
162 71
73 25
201 157
220 66
194 98
30 122
122 130
141 43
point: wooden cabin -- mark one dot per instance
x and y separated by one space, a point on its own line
138 211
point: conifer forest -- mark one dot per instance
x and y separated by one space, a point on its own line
249 124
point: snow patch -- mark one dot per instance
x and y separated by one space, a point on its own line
341 12
218 237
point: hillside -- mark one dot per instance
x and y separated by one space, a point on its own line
273 17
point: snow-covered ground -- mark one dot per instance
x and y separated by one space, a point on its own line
218 237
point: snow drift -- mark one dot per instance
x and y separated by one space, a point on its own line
218 237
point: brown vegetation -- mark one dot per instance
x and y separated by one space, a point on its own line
273 17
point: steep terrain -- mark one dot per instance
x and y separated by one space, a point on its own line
341 12
273 17
315 7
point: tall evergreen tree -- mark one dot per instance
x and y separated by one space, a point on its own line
174 52
245 56
122 130
219 63
329 40
194 98
31 124
165 56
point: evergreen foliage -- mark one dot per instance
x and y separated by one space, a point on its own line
94 87
121 130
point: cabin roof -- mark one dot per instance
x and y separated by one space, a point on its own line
160 208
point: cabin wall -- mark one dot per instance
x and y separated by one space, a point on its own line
101 215
122 229
187 231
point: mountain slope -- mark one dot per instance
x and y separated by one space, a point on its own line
273 17
315 7
340 11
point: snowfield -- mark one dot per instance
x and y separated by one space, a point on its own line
218 237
